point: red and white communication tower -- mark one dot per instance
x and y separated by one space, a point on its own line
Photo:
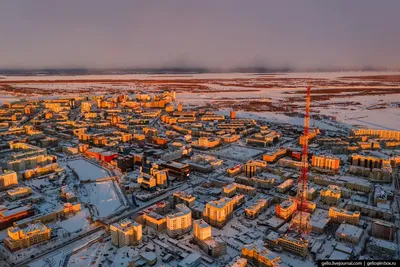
301 221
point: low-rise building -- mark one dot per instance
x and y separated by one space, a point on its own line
331 195
259 255
19 238
285 209
182 197
382 248
19 192
294 245
349 233
253 211
344 216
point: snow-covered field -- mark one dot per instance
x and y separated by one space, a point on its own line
87 170
75 223
103 196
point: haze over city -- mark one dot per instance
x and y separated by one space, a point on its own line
199 133
295 35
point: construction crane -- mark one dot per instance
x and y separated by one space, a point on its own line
301 221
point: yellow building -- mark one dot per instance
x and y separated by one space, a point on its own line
376 133
285 186
229 190
161 177
179 223
326 162
342 215
331 195
19 192
201 230
285 209
8 179
259 255
24 238
86 106
219 212
147 181
274 156
253 211
126 233
205 142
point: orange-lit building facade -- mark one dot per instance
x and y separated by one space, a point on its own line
326 162
341 215
286 209
24 238
126 233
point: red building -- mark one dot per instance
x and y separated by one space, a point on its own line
101 154
7 217
383 229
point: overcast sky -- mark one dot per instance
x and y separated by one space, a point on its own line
207 33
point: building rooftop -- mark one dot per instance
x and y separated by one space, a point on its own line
349 230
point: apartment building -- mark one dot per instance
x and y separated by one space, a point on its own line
179 223
126 233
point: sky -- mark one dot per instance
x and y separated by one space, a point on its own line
297 34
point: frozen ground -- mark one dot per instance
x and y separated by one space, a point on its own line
87 257
75 223
52 261
87 170
103 197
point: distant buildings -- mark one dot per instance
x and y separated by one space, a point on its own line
323 162
126 233
376 133
19 238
